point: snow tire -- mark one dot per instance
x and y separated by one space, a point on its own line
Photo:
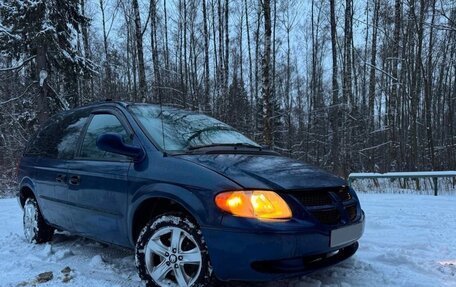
159 225
36 230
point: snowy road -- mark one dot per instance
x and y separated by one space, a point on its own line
409 241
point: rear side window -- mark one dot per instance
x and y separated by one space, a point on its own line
101 124
70 133
44 144
59 136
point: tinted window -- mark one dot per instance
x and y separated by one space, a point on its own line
178 130
69 134
101 124
59 136
44 144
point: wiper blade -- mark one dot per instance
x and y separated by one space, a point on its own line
235 145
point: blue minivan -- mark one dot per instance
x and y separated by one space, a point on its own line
197 200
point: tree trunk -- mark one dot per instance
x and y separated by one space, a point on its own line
227 50
88 90
373 64
334 112
185 75
165 18
393 100
416 88
259 118
247 28
106 80
154 46
428 80
347 83
216 58
140 52
266 88
206 59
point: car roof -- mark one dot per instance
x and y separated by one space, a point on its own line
107 102
124 104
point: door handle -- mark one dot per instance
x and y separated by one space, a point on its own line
75 180
60 178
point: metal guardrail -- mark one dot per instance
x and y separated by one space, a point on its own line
435 175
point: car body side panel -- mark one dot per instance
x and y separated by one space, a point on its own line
192 186
26 171
25 174
52 194
99 202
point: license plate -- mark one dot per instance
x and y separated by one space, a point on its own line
347 234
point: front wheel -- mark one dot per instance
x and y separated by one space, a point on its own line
35 228
171 251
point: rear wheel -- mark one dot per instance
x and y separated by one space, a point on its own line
35 229
171 251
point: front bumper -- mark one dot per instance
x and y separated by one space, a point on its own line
273 255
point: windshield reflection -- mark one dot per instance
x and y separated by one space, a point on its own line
178 130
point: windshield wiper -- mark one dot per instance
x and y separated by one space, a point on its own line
235 145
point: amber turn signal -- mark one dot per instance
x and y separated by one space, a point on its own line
260 204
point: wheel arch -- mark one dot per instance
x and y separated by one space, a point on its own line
26 190
163 198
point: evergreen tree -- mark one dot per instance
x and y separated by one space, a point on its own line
45 33
237 113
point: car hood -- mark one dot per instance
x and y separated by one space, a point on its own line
266 171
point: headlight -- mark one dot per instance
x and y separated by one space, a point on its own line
254 204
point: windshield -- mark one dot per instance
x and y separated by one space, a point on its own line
183 130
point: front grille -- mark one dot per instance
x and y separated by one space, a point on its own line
322 196
329 217
313 198
321 204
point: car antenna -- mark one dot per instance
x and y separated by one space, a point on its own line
162 124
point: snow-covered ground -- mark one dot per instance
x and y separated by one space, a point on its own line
410 240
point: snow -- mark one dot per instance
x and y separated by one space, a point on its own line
420 186
410 240
447 173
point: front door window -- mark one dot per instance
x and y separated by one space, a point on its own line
101 124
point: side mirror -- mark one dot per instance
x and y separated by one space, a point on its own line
112 142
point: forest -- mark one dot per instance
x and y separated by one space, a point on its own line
346 85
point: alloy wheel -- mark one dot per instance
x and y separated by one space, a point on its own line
173 257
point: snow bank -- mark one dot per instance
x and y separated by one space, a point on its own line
405 182
447 173
409 241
